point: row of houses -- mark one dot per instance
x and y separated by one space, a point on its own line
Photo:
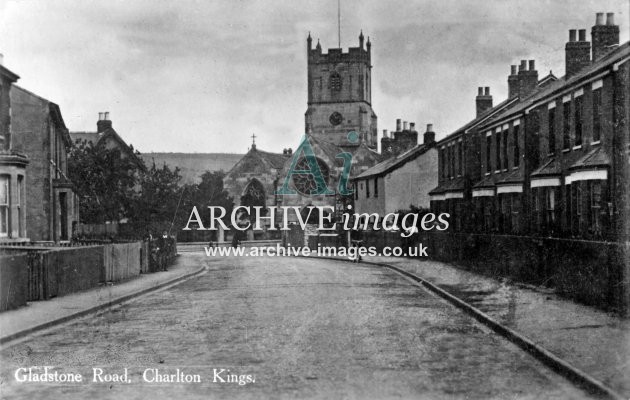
38 203
550 160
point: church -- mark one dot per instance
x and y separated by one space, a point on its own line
339 119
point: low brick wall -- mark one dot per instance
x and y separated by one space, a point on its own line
592 273
13 281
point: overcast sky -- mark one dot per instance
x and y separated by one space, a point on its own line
202 76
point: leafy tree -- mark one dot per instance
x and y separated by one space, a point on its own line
105 182
208 192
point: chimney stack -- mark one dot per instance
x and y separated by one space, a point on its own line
429 135
385 133
483 100
605 37
513 82
577 53
527 78
405 126
103 122
398 125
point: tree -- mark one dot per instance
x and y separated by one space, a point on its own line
104 180
208 192
159 200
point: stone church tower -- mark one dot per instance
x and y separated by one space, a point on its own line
340 95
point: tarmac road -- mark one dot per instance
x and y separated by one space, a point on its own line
301 328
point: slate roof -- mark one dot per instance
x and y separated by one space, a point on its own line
452 185
594 158
550 89
549 168
516 176
393 163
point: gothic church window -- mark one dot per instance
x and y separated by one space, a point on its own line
305 183
335 82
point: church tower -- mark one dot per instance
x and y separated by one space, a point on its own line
340 95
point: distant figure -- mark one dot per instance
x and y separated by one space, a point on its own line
356 240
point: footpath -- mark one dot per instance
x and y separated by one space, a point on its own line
41 315
593 341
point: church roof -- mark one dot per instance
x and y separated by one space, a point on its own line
258 161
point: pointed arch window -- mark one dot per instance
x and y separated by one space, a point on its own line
335 82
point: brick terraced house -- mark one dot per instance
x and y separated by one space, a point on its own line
553 160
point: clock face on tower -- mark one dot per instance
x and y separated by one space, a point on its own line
335 118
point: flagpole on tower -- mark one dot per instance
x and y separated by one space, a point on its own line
339 22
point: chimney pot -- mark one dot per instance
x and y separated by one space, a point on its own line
479 91
523 66
1 59
610 18
582 35
572 35
487 91
599 18
398 125
106 116
384 133
404 125
412 126
513 69
429 127
532 65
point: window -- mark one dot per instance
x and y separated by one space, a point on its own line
596 207
517 148
566 127
506 212
505 149
577 111
551 206
20 206
367 189
356 192
4 205
488 147
551 127
452 158
335 82
443 164
597 115
516 207
498 151
460 159
376 187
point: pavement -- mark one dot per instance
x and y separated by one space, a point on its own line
40 315
591 340
285 328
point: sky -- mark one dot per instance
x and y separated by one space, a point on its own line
202 76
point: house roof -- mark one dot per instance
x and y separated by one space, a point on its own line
5 72
550 168
594 158
393 163
95 138
553 88
452 185
487 115
516 176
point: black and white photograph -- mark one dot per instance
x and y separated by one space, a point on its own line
315 199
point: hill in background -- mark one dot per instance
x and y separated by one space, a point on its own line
192 165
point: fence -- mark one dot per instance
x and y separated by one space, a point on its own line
40 273
13 278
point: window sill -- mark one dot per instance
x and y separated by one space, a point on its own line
498 171
578 147
595 143
566 150
551 154
488 173
514 168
